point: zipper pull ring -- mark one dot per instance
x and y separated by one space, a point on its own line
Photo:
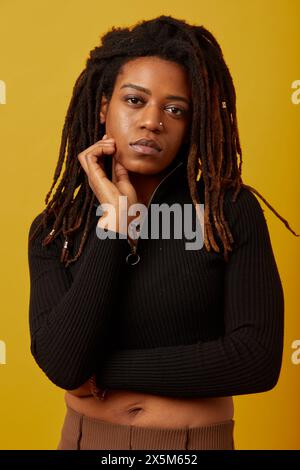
133 257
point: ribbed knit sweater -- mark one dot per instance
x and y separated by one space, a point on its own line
181 323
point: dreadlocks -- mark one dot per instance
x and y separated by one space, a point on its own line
214 146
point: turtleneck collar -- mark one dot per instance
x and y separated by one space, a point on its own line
177 173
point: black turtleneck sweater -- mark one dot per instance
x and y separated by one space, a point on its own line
181 323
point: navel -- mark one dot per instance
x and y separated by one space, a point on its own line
135 410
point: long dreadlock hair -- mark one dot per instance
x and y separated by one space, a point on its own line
214 147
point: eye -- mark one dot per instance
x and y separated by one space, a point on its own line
179 112
133 98
182 111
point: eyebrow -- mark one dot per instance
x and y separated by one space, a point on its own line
145 90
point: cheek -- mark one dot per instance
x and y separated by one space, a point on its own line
122 128
177 141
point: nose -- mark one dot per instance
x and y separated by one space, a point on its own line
151 118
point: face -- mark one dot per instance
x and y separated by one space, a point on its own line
133 113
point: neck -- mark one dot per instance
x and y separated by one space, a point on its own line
145 185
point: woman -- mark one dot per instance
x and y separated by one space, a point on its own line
149 339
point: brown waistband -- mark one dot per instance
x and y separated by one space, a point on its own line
84 433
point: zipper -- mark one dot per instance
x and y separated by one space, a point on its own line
133 248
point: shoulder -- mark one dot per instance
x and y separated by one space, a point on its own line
246 219
37 232
35 223
245 207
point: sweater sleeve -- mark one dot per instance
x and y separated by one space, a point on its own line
247 358
68 318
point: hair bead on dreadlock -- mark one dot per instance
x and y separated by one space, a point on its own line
64 253
214 135
199 170
48 238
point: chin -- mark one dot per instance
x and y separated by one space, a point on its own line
142 166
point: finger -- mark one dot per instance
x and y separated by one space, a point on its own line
82 161
100 143
91 161
94 165
121 173
99 148
102 187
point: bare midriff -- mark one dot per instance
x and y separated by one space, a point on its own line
143 409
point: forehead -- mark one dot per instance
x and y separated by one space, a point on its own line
155 73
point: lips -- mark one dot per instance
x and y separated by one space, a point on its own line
144 149
148 143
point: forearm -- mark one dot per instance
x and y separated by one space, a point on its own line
69 322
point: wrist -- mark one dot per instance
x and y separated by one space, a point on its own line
120 225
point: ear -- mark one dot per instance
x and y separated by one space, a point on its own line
103 109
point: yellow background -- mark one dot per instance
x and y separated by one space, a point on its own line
43 48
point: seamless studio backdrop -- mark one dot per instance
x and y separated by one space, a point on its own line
43 48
